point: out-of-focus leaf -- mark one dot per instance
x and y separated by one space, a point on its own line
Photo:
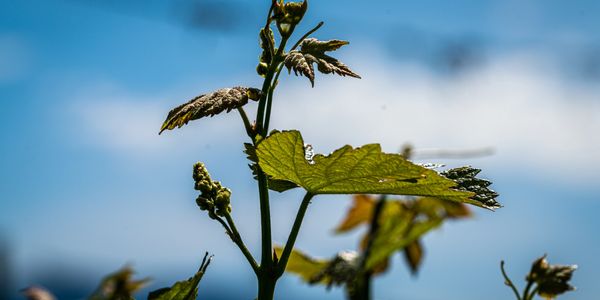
37 293
275 185
438 208
183 290
340 270
209 105
360 212
312 51
552 280
118 286
398 228
302 265
413 254
363 170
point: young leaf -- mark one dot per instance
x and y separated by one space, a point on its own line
183 290
209 105
363 170
312 51
119 285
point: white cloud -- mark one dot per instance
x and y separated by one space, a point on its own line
120 121
519 105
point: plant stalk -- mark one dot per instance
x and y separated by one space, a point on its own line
237 239
289 245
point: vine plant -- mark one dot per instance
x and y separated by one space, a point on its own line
280 160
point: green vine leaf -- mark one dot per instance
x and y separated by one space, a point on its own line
118 285
209 105
312 51
183 290
348 170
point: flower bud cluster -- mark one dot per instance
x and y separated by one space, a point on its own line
214 198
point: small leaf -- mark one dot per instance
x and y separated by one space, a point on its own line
209 105
303 265
552 280
363 170
119 285
183 290
361 212
312 51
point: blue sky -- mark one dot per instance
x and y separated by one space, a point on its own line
88 185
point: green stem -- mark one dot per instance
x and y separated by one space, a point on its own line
265 222
237 239
268 84
270 101
534 292
289 245
526 295
246 121
508 282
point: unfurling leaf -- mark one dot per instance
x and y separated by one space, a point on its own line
552 280
312 51
267 44
183 290
119 285
209 105
363 170
466 180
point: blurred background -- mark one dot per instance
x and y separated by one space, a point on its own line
87 185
